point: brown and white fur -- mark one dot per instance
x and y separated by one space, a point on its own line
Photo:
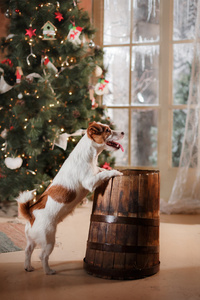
78 175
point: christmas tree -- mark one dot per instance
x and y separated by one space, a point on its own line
46 101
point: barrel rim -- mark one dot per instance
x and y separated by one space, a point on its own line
120 274
143 171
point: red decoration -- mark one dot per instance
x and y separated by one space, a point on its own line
30 32
106 166
18 74
59 16
46 60
11 127
7 62
102 85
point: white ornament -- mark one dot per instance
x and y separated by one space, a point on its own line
31 76
4 133
13 162
73 35
20 96
62 140
4 87
47 63
101 88
98 71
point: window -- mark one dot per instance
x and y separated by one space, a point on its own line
148 53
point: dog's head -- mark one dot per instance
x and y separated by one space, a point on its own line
102 135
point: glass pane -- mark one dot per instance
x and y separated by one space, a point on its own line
146 20
183 55
179 118
117 22
145 62
185 12
144 137
117 60
120 119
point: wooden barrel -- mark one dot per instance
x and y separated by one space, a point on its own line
123 240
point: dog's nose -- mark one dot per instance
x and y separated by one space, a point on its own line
122 133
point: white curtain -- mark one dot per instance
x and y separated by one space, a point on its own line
185 196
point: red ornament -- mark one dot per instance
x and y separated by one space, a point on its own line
11 127
30 32
59 16
7 62
106 166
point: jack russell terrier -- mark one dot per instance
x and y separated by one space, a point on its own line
78 175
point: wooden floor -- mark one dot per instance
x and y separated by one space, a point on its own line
179 276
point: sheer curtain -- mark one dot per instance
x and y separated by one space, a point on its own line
185 196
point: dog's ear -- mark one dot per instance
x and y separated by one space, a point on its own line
94 129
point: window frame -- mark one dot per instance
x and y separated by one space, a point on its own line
165 106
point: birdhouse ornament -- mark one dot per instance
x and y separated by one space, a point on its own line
49 31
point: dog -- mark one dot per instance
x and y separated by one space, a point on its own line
78 175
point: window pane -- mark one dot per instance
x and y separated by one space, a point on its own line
144 137
145 63
179 118
185 12
117 60
183 55
116 22
120 119
146 20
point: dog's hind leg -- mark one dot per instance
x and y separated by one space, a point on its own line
28 252
44 256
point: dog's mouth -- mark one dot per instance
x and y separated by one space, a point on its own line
115 145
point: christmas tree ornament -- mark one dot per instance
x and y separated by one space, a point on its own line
47 63
31 54
17 11
31 77
94 104
19 74
98 71
62 140
91 44
57 5
8 13
92 98
106 166
74 33
4 133
4 87
101 88
30 32
7 62
49 31
59 16
13 162
20 96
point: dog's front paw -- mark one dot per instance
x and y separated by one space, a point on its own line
115 173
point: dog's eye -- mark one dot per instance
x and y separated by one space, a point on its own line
107 130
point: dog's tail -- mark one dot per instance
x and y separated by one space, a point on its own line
23 201
25 196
